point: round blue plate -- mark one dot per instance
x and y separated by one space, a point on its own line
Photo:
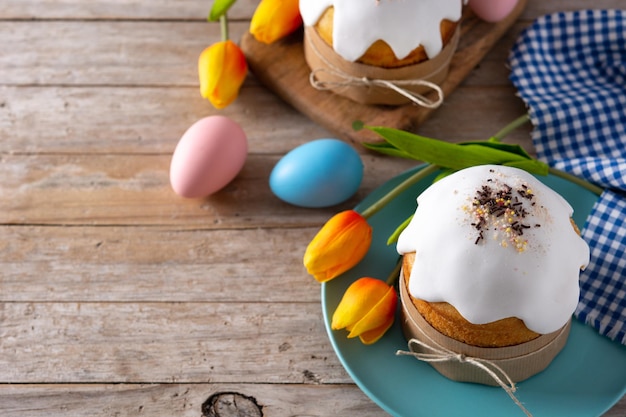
585 380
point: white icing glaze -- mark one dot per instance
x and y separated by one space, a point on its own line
492 279
402 24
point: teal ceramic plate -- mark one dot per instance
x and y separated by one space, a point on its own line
585 380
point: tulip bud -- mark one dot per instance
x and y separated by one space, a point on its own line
339 245
367 310
275 19
222 70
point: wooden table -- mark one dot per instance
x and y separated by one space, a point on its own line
118 298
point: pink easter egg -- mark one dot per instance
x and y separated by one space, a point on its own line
208 156
492 10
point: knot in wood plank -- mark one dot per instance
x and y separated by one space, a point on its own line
231 404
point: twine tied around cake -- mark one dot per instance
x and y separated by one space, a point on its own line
438 353
395 85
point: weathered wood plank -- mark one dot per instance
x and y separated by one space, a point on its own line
150 120
121 9
133 264
493 69
137 120
185 400
166 342
181 400
134 190
126 53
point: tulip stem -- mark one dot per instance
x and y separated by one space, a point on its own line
224 27
578 181
399 189
393 277
511 127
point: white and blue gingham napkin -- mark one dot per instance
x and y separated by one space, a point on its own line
570 70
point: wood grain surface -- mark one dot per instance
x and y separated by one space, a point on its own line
118 298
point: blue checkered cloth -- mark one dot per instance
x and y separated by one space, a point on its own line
570 70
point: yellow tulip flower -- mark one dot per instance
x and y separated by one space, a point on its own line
275 19
222 69
339 245
367 310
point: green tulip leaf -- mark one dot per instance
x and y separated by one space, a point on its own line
219 9
454 156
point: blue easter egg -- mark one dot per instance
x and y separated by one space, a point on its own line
320 173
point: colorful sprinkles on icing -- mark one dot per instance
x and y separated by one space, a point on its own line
500 208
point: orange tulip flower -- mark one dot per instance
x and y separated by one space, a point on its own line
367 309
339 245
274 19
222 70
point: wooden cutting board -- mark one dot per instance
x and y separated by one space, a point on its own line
281 68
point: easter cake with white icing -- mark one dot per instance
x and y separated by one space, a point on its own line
404 41
491 257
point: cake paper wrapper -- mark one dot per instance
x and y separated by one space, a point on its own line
331 69
518 362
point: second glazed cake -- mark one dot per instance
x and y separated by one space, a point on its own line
357 48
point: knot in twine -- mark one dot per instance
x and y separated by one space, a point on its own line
438 353
348 80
